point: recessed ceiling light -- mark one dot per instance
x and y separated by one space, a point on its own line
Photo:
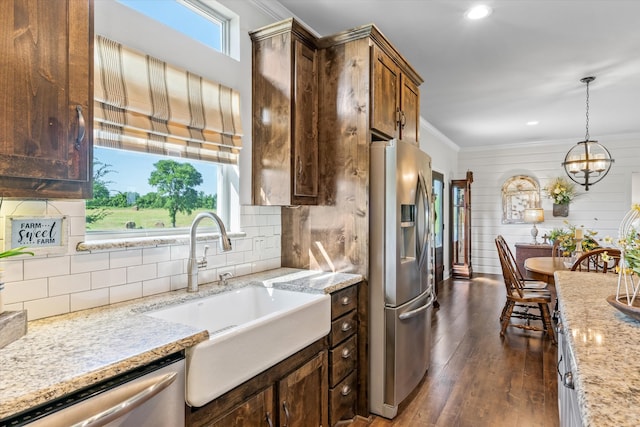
478 12
532 123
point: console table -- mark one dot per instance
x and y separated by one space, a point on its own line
529 250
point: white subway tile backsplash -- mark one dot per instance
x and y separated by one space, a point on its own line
11 271
107 278
46 307
68 284
207 276
125 258
125 292
170 268
157 254
25 290
179 281
179 251
141 272
89 262
51 285
90 299
234 258
77 225
243 269
46 267
156 286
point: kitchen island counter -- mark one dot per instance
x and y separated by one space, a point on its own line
605 346
62 354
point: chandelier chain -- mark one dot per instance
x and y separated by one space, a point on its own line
586 137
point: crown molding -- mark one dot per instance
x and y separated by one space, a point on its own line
278 12
441 136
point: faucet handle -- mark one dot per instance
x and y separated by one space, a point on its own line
203 261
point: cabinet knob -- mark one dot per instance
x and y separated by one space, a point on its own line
346 353
345 390
346 326
346 300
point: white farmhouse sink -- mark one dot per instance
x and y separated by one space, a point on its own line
251 329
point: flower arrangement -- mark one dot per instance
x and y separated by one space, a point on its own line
560 190
567 241
630 245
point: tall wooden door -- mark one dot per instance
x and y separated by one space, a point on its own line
438 209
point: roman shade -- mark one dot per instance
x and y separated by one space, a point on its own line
144 104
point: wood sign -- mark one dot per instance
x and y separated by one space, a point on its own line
36 232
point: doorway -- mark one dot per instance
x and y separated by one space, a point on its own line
438 209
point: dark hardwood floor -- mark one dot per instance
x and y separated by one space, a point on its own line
476 378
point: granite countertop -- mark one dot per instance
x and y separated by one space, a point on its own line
62 354
605 346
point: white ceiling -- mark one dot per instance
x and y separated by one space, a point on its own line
485 79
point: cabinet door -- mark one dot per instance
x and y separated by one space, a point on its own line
257 411
303 394
410 111
46 120
385 94
305 122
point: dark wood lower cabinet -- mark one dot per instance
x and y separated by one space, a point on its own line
257 411
302 394
292 393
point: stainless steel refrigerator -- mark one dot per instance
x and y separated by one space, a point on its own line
401 272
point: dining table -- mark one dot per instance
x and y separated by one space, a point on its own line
542 268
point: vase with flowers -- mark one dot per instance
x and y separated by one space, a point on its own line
561 191
568 239
6 254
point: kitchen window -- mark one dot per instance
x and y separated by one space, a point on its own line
158 132
206 21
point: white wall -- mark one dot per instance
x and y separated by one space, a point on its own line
601 208
444 159
56 284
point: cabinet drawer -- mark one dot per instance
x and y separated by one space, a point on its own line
342 328
342 360
342 400
343 301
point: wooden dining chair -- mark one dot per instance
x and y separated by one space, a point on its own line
520 301
530 284
593 261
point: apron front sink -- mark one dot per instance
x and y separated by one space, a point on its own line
250 329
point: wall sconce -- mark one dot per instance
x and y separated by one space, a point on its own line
588 162
534 216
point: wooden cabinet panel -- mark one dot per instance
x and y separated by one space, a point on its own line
343 301
342 360
303 395
410 108
285 116
385 100
305 113
45 81
342 400
342 328
256 411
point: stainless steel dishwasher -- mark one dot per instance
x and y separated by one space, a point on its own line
150 396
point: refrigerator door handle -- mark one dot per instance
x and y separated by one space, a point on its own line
412 313
423 239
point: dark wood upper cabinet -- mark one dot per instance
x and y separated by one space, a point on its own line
46 72
285 115
395 99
